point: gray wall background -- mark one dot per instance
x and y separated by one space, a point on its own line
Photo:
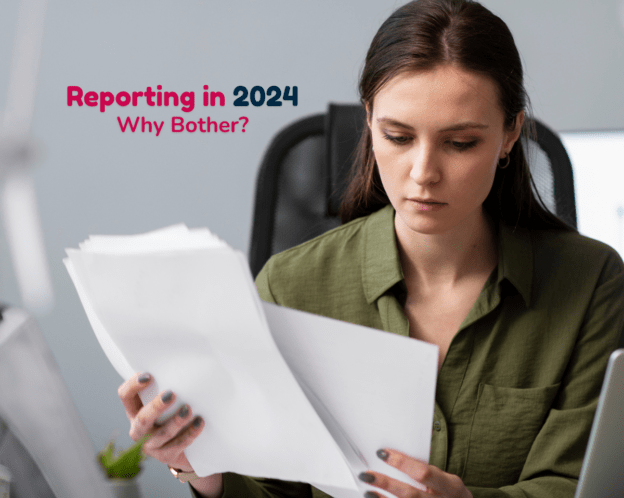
93 179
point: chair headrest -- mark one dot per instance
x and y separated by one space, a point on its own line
343 127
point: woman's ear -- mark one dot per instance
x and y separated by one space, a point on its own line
512 136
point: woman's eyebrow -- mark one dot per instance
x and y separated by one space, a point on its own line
468 125
394 122
465 126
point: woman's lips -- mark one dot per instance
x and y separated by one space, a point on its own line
427 204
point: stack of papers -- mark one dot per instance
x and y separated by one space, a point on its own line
285 394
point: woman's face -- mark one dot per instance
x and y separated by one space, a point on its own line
437 137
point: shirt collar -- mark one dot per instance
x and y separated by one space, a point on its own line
515 259
381 268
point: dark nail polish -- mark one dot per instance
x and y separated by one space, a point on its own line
197 421
383 454
366 477
144 378
167 396
370 494
184 411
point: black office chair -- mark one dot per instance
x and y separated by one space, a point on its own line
306 167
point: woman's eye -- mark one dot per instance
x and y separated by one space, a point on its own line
461 146
397 139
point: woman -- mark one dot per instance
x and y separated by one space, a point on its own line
444 241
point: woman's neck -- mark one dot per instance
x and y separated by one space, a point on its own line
435 260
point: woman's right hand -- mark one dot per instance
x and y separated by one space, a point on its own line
167 442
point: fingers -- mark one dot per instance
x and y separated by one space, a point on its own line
437 481
168 443
397 488
143 422
129 393
427 475
184 438
165 442
165 433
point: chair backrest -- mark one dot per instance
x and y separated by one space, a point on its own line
306 168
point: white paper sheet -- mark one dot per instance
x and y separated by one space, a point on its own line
379 387
193 320
182 305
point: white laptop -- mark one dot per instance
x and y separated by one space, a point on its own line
602 474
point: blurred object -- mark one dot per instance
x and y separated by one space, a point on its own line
598 163
27 479
5 482
602 474
122 468
38 410
126 464
125 488
23 231
19 209
620 215
24 67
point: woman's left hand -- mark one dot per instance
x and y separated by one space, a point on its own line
438 482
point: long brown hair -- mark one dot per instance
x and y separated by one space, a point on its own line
418 37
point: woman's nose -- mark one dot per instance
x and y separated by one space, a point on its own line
425 170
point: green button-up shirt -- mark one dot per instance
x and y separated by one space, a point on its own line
517 390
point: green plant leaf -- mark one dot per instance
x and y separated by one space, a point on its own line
127 464
107 455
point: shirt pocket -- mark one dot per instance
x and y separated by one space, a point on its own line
506 422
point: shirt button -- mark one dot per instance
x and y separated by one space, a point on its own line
437 426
